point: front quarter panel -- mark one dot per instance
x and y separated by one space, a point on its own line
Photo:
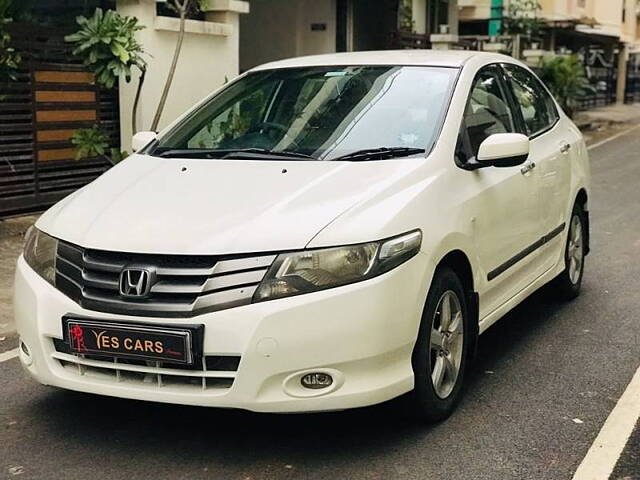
435 198
439 202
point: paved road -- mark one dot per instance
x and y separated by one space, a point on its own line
11 239
544 382
628 466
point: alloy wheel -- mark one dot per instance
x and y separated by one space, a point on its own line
447 342
575 250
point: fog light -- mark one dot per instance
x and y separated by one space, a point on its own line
316 380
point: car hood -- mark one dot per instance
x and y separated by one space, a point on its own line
156 205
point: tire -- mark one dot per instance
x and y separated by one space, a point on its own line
435 395
566 286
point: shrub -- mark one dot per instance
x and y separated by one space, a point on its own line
106 42
521 18
9 58
93 142
565 77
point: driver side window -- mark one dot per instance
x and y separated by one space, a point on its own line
487 111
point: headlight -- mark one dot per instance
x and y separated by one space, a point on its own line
40 254
312 270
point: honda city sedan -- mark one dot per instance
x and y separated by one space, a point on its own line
321 233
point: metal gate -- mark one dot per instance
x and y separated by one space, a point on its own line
52 97
632 92
602 75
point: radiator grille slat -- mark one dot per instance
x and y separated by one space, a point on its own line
185 285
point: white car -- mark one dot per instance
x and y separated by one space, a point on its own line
322 233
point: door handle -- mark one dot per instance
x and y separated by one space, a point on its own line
527 168
565 147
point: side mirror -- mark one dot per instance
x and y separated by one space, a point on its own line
141 140
503 150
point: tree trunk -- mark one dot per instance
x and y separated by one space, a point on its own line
134 127
172 70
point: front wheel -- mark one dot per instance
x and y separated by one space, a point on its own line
441 350
566 286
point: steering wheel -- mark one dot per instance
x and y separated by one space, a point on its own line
263 126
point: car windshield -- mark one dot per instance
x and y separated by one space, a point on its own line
319 113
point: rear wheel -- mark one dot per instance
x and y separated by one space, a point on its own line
440 353
567 285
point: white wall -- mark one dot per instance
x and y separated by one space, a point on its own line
319 12
419 15
277 29
268 32
206 59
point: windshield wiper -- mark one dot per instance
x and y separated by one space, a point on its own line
250 152
380 153
220 153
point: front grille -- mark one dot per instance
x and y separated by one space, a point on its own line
186 285
210 372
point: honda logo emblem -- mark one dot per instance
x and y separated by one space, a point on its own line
136 282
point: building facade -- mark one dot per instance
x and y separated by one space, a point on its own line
604 33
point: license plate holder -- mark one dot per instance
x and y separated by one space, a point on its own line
180 344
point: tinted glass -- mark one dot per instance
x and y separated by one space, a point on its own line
324 112
487 110
536 105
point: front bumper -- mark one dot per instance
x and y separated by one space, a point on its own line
363 334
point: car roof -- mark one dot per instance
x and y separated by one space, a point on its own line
433 58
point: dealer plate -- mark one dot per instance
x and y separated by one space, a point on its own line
143 342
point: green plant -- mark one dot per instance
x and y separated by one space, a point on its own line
90 142
521 18
405 20
565 77
118 155
107 44
9 58
93 142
